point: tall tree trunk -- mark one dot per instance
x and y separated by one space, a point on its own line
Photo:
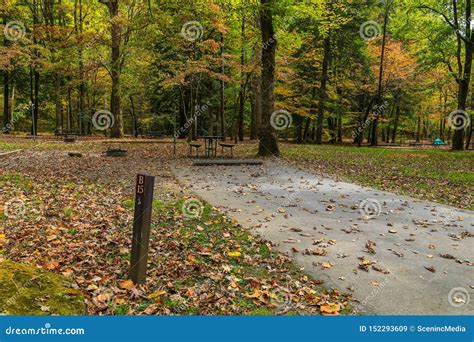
469 134
34 76
69 110
442 110
464 76
6 102
360 130
374 141
256 107
418 128
79 29
242 81
36 108
57 102
268 144
306 130
322 89
182 113
134 117
6 89
222 92
115 68
339 129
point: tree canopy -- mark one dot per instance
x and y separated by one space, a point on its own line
316 71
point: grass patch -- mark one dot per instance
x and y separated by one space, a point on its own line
16 180
437 175
211 265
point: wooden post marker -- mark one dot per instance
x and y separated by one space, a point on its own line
141 228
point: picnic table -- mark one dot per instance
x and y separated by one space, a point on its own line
210 145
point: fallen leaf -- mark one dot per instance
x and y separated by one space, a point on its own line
156 294
330 309
370 247
447 256
127 285
51 265
326 264
234 254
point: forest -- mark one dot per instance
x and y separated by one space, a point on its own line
367 71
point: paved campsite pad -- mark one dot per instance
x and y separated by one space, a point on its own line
426 247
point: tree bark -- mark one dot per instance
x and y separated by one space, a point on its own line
34 76
242 82
374 140
57 102
268 144
115 68
6 90
418 128
222 92
6 102
322 89
395 123
256 107
79 29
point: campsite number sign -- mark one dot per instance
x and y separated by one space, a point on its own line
141 228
